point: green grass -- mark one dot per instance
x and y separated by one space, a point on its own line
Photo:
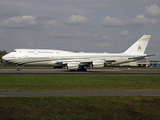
69 108
57 82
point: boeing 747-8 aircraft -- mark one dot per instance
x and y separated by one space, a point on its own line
77 60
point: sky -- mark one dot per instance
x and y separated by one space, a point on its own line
79 25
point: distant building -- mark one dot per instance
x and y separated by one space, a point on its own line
144 62
155 64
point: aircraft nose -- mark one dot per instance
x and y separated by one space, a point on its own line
5 57
8 57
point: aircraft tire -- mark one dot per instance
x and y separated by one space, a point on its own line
18 69
82 69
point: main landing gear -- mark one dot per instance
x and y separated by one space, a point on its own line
18 68
79 69
82 69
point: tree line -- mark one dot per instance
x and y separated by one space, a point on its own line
2 53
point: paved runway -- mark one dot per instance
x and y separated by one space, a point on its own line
79 93
89 71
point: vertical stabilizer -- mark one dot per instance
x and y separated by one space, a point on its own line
139 46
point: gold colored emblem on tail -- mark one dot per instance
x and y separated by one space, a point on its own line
139 48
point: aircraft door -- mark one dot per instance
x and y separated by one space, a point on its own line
36 52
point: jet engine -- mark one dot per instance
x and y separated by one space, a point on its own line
72 65
97 63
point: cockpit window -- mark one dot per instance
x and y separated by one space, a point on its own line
14 51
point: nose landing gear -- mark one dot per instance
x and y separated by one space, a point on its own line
18 68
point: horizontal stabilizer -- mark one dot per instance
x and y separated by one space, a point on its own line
142 57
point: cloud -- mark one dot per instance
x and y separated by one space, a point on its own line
123 33
138 20
76 20
153 11
18 21
142 20
29 21
111 22
26 42
101 34
69 33
105 44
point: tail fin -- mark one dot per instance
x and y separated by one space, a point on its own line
139 46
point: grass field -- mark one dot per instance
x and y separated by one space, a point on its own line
57 82
80 108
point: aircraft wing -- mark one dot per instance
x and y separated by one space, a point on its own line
72 64
142 57
70 61
93 62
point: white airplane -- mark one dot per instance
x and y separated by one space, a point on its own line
77 60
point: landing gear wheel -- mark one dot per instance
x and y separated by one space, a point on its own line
82 69
18 69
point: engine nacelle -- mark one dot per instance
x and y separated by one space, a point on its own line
72 65
98 63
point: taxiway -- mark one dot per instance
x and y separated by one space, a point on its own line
79 93
89 71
